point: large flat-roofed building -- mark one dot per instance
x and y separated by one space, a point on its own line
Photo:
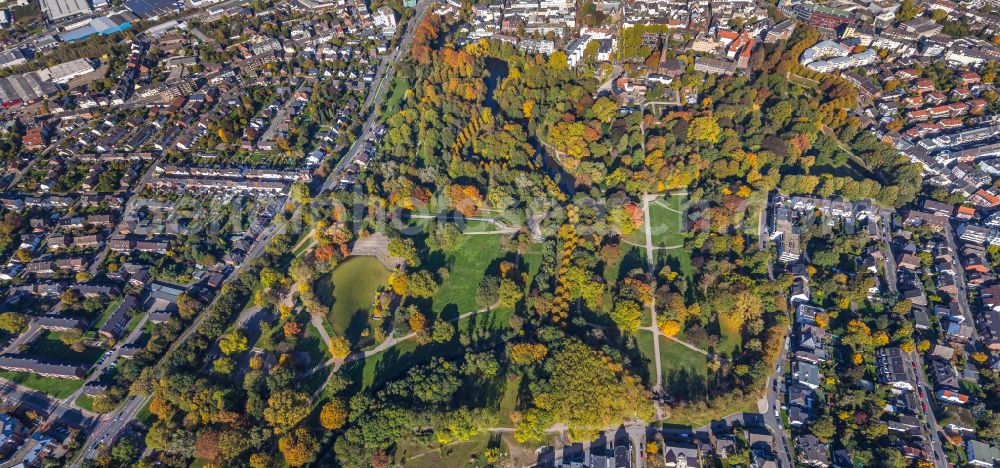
59 9
64 72
152 9
12 58
25 88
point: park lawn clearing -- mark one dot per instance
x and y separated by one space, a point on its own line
351 288
48 346
367 371
509 402
644 340
679 261
494 320
675 357
730 334
58 388
467 263
399 88
431 455
479 226
666 221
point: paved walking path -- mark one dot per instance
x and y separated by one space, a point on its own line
317 322
651 265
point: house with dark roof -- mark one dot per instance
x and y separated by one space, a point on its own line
59 323
680 455
812 452
894 368
944 374
44 368
118 321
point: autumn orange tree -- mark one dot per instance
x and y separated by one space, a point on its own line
298 446
334 414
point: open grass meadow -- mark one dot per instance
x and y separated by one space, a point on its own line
349 290
667 221
682 367
467 263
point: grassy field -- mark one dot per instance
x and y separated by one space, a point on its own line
144 415
467 262
49 346
58 388
675 358
350 288
367 372
429 455
667 221
399 88
509 402
86 402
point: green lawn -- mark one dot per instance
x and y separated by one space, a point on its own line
667 221
675 357
644 339
479 226
509 402
467 263
423 455
677 360
58 388
730 332
350 289
369 371
144 415
679 261
396 97
48 346
313 344
86 402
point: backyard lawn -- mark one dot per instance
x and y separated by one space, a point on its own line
48 346
58 388
105 315
350 288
